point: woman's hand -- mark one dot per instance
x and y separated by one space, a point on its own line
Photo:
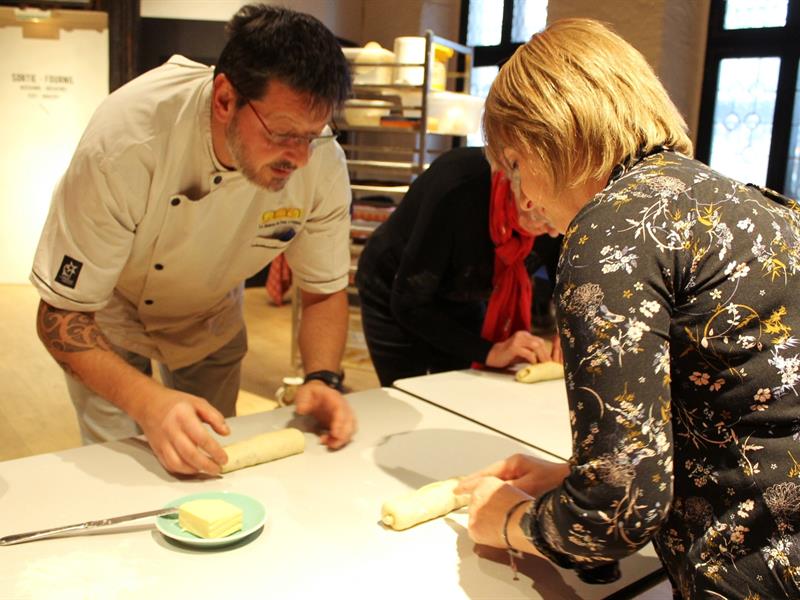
497 488
489 504
532 475
521 346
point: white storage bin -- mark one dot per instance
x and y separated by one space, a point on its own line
411 49
365 113
410 100
367 74
451 113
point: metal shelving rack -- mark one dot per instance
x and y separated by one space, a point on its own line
418 152
384 160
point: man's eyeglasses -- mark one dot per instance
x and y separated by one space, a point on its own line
294 140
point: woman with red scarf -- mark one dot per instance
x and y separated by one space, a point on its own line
445 282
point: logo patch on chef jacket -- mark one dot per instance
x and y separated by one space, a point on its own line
68 271
278 227
271 217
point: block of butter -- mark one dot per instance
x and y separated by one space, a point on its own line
210 517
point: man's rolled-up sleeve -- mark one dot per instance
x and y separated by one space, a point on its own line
320 254
88 234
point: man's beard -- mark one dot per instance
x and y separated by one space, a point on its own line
260 176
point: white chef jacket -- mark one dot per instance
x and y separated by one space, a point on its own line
149 231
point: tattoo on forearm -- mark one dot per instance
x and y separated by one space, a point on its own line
66 331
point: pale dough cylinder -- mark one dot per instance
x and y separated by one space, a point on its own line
428 502
540 372
264 448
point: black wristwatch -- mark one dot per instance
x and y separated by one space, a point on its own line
329 378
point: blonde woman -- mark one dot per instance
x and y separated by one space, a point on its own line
676 300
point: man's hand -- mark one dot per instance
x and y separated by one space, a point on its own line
521 346
323 331
330 408
173 424
172 421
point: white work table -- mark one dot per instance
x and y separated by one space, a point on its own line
322 537
536 414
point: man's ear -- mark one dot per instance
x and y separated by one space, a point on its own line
223 99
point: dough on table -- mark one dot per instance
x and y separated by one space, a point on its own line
428 502
540 372
263 448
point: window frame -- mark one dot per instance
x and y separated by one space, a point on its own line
753 43
489 56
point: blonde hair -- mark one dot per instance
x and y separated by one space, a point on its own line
578 99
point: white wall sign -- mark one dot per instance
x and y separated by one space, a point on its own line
197 10
53 75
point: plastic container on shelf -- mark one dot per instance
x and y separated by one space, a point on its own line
451 113
365 113
374 72
410 100
411 50
441 54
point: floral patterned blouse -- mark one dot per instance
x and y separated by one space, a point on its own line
679 311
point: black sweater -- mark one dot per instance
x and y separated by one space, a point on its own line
432 261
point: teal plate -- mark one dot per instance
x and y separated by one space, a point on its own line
252 519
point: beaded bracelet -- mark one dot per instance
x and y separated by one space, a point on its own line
512 553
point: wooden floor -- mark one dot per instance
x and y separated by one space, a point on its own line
36 414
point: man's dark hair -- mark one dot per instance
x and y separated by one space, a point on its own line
272 42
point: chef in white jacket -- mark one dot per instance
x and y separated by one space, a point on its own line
182 186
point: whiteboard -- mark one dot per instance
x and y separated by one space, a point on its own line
53 75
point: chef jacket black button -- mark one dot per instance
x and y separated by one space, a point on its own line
159 266
218 179
148 302
176 201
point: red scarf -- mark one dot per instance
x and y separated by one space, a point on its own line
509 308
279 279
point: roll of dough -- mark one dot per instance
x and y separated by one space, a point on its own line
540 372
428 502
263 448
